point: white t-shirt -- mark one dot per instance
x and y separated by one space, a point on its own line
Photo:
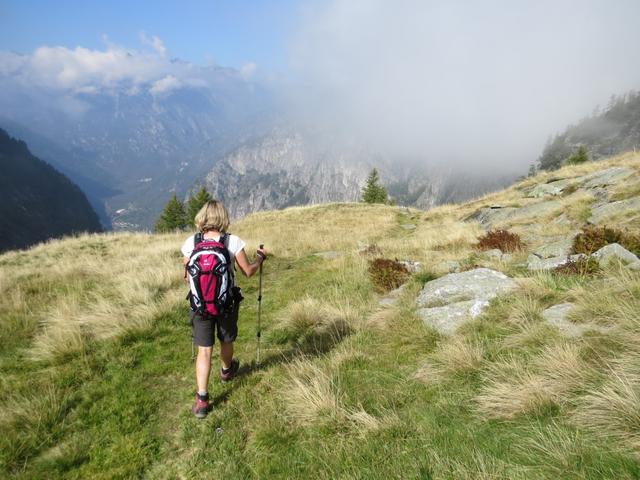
234 244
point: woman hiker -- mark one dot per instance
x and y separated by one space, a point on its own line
212 221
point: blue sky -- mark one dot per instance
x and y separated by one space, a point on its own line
231 33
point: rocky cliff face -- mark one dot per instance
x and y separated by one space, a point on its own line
287 168
281 170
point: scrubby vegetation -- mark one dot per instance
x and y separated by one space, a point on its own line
387 274
97 382
501 239
592 238
581 266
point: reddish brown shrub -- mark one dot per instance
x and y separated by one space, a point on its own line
386 274
501 239
584 267
593 238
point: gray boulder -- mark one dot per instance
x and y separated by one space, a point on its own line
493 254
411 266
536 263
628 208
615 251
451 300
391 298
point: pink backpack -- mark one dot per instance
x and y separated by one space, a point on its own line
210 275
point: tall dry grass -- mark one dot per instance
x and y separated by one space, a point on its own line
514 388
299 231
313 394
90 287
612 409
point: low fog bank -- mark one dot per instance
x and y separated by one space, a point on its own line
477 86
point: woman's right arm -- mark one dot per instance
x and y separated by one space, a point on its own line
249 268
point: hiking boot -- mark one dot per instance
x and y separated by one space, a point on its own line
201 408
227 374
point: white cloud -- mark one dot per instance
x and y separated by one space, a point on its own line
84 70
154 42
462 82
165 85
248 70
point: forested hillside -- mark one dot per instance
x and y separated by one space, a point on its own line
604 133
36 201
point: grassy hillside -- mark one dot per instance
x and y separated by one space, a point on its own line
97 381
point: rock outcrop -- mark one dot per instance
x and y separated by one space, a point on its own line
449 301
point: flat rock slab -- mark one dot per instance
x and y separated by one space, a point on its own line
489 217
550 189
327 255
408 226
628 208
451 300
617 252
557 248
556 316
610 176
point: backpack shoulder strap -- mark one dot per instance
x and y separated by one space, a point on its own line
197 238
224 239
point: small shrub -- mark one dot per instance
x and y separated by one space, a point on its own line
580 156
386 274
593 238
425 277
584 267
500 239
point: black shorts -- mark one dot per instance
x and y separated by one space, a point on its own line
225 326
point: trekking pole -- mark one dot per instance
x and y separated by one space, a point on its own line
259 332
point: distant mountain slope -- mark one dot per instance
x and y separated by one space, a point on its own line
130 149
615 130
36 201
290 166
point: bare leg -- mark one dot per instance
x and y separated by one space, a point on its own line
203 367
226 354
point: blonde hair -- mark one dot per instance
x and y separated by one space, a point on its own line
212 216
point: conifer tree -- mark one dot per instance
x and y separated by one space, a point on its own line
373 192
173 216
196 202
580 156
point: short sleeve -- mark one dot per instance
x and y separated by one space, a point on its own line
235 244
187 247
